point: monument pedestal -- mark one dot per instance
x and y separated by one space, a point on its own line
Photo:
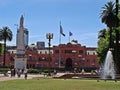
20 63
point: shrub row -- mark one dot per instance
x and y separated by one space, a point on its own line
37 71
31 71
3 70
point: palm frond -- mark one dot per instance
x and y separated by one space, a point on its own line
6 34
108 12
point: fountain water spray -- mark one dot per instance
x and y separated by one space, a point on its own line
108 69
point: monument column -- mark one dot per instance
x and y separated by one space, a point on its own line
20 58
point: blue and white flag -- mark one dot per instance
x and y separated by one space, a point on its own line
70 33
61 31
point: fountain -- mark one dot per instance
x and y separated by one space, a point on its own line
108 69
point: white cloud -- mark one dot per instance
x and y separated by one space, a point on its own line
88 39
34 36
86 36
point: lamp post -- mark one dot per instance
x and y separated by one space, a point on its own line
49 36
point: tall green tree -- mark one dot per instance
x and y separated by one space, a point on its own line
103 44
0 49
5 35
108 16
105 38
101 34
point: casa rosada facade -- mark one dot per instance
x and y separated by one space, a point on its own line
65 56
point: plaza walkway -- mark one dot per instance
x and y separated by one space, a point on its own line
30 76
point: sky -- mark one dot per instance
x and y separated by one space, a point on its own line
81 17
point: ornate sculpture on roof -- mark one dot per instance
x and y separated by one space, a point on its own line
21 21
74 42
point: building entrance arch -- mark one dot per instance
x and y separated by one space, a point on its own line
68 65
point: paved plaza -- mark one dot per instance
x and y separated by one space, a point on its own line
30 76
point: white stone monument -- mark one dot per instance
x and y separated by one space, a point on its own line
20 58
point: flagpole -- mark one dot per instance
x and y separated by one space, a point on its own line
59 46
61 33
69 36
59 50
60 36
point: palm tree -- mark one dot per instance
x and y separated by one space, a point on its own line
101 34
108 16
5 34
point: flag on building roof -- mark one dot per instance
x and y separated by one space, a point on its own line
70 33
61 31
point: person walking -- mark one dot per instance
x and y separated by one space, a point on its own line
19 73
25 73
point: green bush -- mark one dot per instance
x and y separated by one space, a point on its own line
3 70
33 71
45 71
38 71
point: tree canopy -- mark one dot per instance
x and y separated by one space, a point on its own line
5 35
107 36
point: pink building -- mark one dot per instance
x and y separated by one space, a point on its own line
64 56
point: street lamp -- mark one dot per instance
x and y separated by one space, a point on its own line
49 36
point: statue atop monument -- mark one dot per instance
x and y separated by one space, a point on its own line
21 21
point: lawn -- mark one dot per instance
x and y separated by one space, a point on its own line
59 84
